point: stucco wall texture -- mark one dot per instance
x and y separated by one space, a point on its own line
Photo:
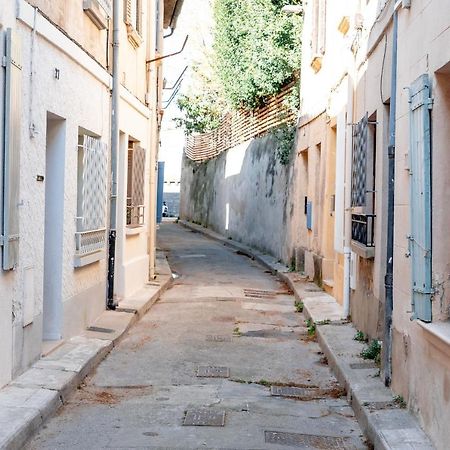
243 194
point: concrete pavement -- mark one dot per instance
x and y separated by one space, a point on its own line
39 392
382 416
223 360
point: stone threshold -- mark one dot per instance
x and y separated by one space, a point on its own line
385 424
28 400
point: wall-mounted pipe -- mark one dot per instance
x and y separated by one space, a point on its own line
388 279
176 82
170 54
111 304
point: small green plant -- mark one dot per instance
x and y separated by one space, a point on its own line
285 136
323 322
236 331
292 265
372 351
263 382
299 306
399 401
311 327
360 336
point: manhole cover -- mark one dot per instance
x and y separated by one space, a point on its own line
307 440
100 329
313 290
213 372
204 418
294 392
126 310
218 338
363 365
258 293
269 334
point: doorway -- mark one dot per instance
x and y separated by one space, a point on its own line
53 231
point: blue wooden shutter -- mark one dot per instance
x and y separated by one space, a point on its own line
11 146
420 197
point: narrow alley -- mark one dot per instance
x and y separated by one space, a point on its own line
223 347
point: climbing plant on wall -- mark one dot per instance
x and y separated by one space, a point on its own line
256 49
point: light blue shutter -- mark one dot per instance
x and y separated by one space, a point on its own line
309 217
12 121
420 197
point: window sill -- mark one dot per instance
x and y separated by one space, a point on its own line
438 334
362 251
134 230
90 258
96 13
134 37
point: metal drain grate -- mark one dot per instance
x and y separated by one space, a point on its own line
363 365
259 293
100 330
296 392
204 418
213 372
218 338
308 440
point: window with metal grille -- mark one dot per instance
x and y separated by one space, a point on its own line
90 236
363 181
135 185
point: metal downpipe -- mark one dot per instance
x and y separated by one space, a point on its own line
388 280
111 304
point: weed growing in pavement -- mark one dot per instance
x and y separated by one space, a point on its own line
311 327
264 383
323 322
292 265
372 351
360 336
298 306
236 331
400 401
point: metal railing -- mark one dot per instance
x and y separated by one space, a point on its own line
363 229
89 241
135 215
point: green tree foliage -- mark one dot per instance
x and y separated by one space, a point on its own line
257 49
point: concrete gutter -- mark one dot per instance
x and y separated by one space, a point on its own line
39 392
383 421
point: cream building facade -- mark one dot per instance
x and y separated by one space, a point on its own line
56 166
342 166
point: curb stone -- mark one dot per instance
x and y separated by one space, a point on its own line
38 393
385 424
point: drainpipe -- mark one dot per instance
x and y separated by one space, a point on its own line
111 304
388 279
348 188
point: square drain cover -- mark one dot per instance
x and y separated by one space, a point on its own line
363 365
218 338
294 392
100 329
307 440
204 418
213 372
259 293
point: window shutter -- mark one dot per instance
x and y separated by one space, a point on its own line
420 197
137 193
127 11
13 120
309 216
